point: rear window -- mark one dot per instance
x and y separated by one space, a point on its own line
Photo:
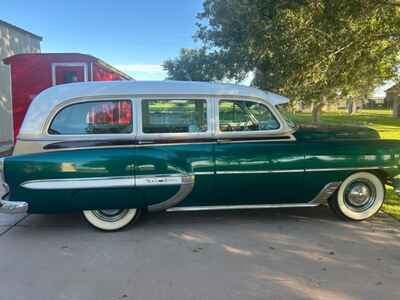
100 117
174 116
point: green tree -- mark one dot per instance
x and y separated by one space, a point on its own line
309 50
195 65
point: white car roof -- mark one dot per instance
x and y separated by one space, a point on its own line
47 100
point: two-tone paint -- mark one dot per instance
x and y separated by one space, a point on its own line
214 170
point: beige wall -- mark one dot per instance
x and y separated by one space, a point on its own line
12 41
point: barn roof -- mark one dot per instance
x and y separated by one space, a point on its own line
20 30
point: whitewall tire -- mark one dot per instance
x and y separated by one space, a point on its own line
111 219
359 197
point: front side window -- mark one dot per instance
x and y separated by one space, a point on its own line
101 117
174 116
236 115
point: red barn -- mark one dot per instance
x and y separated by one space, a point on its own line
33 73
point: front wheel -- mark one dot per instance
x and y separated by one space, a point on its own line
111 219
359 197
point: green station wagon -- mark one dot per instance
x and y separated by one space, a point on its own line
112 150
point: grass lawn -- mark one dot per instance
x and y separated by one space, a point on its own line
380 120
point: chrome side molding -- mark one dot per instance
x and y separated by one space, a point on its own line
79 183
185 181
187 184
321 198
232 207
105 182
326 192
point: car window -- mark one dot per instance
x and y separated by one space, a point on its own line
101 117
236 115
174 116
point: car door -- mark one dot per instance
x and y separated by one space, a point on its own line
254 163
88 162
175 148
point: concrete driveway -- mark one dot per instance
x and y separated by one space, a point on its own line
262 254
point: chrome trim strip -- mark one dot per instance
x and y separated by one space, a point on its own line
261 172
151 180
79 183
105 182
229 207
13 207
326 192
204 173
350 169
322 197
306 170
187 184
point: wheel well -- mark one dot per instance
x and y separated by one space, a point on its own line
382 175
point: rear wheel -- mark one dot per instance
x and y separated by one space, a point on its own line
111 219
359 197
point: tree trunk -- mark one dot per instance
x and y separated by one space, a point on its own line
396 108
352 107
316 112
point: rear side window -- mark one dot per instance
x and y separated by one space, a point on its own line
100 117
174 116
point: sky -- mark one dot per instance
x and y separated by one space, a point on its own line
135 36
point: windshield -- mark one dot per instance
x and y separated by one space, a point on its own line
287 114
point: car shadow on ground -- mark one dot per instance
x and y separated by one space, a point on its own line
304 253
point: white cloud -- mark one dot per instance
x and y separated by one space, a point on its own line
144 71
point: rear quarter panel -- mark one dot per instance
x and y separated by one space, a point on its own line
328 161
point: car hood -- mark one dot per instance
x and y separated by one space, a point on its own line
328 132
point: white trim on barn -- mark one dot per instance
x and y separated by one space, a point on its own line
55 65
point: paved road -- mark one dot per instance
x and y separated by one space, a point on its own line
264 254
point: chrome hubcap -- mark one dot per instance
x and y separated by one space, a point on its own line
110 215
360 195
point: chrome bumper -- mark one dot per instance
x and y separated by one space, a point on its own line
397 191
13 207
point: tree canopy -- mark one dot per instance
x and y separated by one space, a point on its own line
195 65
311 50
